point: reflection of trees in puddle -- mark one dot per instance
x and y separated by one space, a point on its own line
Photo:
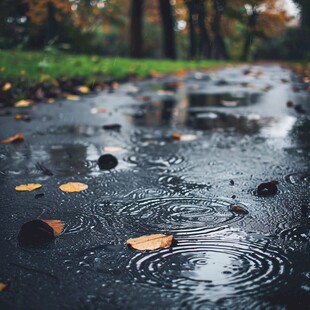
70 159
181 111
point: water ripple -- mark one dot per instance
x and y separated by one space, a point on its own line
182 216
214 268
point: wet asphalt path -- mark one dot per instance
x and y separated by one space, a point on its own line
236 132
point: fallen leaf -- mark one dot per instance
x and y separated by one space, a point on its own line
23 72
22 117
50 100
73 187
113 149
238 209
57 225
151 242
2 286
176 136
230 103
83 89
72 97
25 103
17 137
185 137
98 110
28 187
6 86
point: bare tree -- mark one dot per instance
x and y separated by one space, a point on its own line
136 29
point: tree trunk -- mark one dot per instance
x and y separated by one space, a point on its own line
192 36
135 34
219 48
205 47
168 29
51 23
249 37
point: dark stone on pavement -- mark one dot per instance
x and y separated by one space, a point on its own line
267 189
107 162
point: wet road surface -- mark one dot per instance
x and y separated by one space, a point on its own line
236 132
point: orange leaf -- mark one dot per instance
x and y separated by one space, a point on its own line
23 103
6 86
83 89
57 225
185 137
73 187
17 137
28 187
72 97
151 242
113 149
2 286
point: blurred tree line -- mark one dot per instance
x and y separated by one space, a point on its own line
212 29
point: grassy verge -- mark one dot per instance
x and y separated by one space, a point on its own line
36 67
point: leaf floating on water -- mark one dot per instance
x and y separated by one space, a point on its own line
23 103
72 97
113 149
6 86
2 286
23 117
73 187
98 110
28 187
17 137
176 136
57 225
267 189
83 89
238 209
151 242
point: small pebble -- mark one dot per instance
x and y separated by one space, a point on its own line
267 189
107 162
116 127
232 182
37 196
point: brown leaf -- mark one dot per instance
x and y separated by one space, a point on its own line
6 86
23 103
57 225
28 187
17 137
73 187
151 242
238 209
2 286
185 137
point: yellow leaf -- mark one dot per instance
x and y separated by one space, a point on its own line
57 225
83 89
50 100
113 149
151 242
73 187
23 72
18 117
72 97
28 187
2 286
23 103
6 86
2 69
17 137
